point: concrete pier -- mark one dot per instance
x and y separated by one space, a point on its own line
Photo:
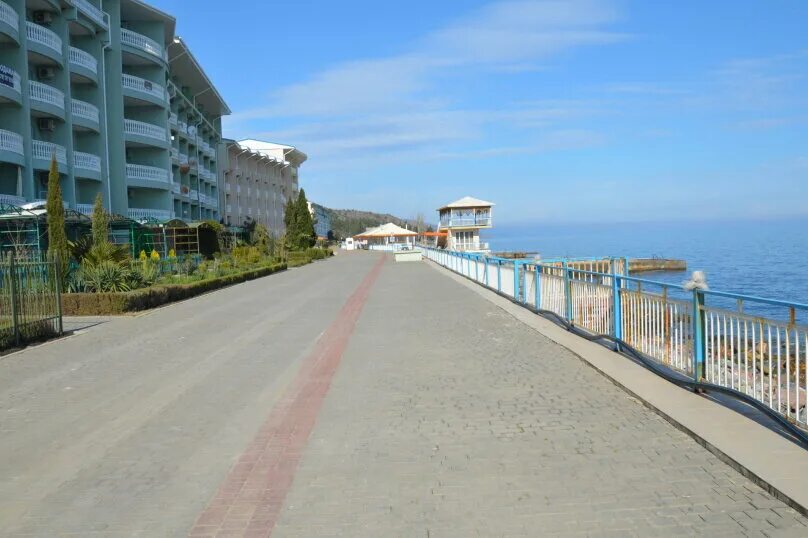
352 397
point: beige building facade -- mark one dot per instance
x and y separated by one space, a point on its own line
258 178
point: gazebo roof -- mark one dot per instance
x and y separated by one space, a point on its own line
467 201
387 230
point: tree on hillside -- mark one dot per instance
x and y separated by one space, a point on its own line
305 224
57 237
290 222
100 222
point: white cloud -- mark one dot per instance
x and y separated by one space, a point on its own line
403 103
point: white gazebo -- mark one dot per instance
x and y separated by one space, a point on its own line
390 237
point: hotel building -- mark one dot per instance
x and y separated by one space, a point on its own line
108 89
258 178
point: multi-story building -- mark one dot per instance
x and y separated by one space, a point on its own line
123 106
322 220
462 221
258 178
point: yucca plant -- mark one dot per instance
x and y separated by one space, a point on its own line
106 277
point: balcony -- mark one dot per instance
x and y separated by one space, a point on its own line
194 194
44 151
142 89
46 99
10 85
192 132
149 214
86 165
183 158
176 188
142 44
9 22
43 41
175 154
85 209
182 127
11 148
83 63
92 13
147 175
139 132
85 115
172 119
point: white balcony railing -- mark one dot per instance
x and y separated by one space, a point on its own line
141 128
135 213
142 85
176 188
141 172
83 59
182 126
9 16
140 41
91 11
46 94
194 194
43 36
10 141
85 110
172 119
192 131
183 158
45 150
10 199
86 161
175 153
85 209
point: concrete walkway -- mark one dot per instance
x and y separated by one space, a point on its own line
342 400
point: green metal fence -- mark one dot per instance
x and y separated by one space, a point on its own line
30 301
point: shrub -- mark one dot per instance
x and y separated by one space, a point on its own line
105 252
86 304
106 276
297 258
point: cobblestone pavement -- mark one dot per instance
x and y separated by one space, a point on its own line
128 428
447 417
444 417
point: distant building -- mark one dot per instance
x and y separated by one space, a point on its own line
259 177
388 237
322 220
463 220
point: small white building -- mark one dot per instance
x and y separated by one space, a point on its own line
389 237
462 220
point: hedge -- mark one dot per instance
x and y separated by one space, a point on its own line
297 258
97 304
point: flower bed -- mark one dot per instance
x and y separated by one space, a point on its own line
96 304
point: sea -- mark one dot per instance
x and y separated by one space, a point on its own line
764 258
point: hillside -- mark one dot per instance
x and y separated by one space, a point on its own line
349 222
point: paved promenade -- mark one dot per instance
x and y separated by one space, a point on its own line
353 397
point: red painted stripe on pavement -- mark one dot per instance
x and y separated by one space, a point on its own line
252 495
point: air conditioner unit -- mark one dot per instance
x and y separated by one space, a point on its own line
45 73
43 17
46 124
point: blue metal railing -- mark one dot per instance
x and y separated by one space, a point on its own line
718 340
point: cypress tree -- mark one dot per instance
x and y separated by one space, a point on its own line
305 224
100 222
290 221
57 237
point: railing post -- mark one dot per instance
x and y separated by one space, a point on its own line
12 279
699 343
567 291
477 267
537 286
617 304
516 292
499 275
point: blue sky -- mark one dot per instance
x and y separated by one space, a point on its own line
556 110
